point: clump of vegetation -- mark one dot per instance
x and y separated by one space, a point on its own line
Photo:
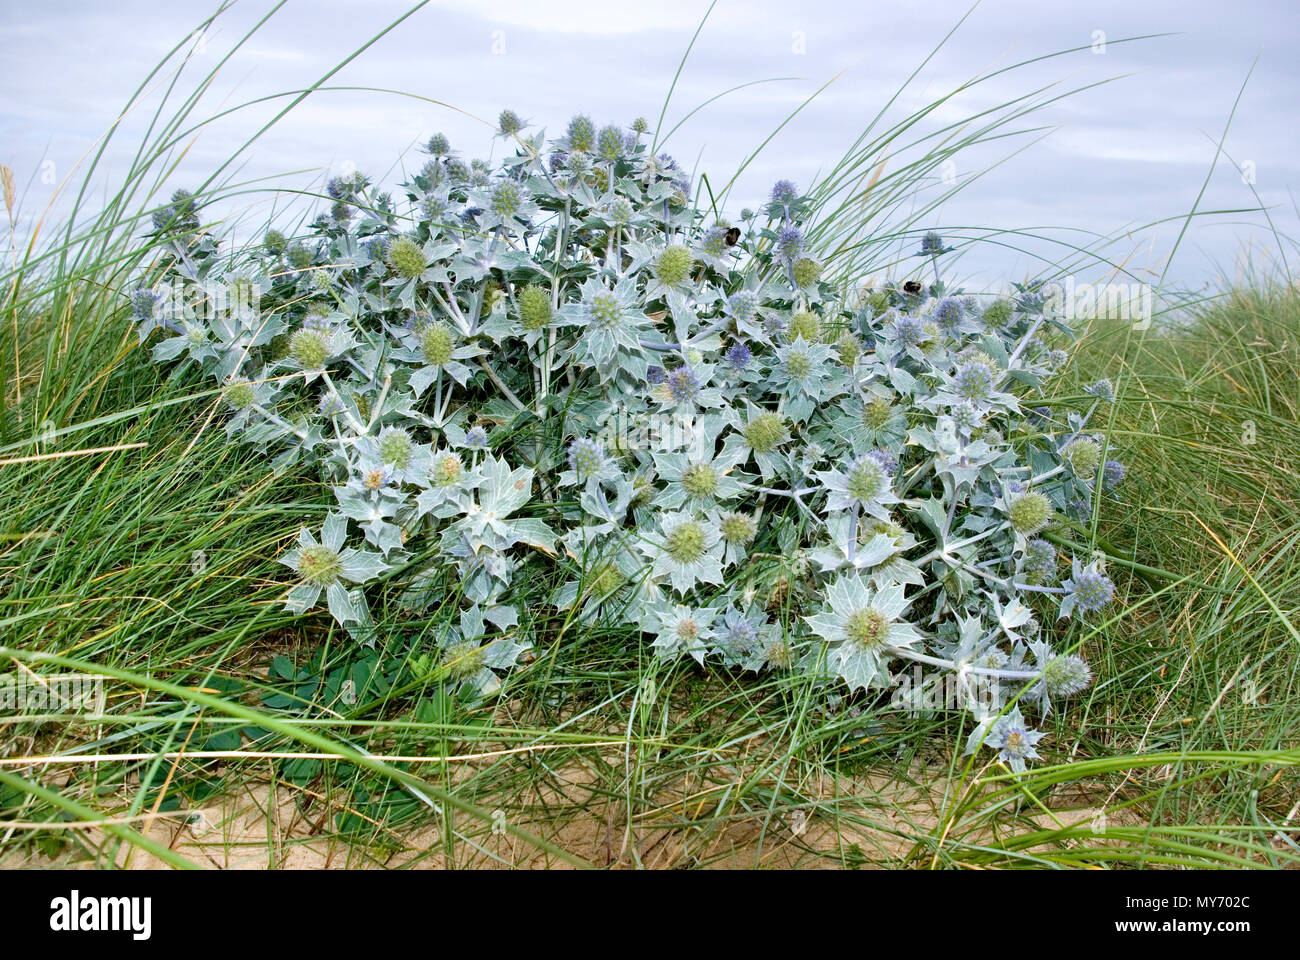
907 471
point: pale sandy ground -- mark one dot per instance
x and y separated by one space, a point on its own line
255 829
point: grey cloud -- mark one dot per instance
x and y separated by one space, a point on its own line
1124 153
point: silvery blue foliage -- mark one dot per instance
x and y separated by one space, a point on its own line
560 370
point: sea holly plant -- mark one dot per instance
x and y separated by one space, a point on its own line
560 371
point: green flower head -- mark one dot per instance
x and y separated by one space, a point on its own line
876 413
1030 512
319 565
806 272
310 348
685 543
700 480
604 309
534 307
464 659
689 551
766 431
1083 455
506 198
447 470
582 133
804 324
847 348
437 344
240 394
998 312
673 265
737 528
406 258
395 447
862 627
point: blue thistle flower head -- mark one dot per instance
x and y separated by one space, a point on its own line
739 634
932 245
789 243
1112 474
1014 741
1102 388
1090 589
948 314
438 145
587 458
376 478
145 303
684 385
743 304
163 218
1067 675
784 193
714 241
909 331
739 356
1040 562
973 381
331 404
656 375
887 461
1080 508
476 438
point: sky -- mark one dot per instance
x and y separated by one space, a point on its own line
1123 153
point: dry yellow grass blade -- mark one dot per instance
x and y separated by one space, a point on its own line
7 178
70 453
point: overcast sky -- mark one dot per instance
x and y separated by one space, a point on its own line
1116 156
